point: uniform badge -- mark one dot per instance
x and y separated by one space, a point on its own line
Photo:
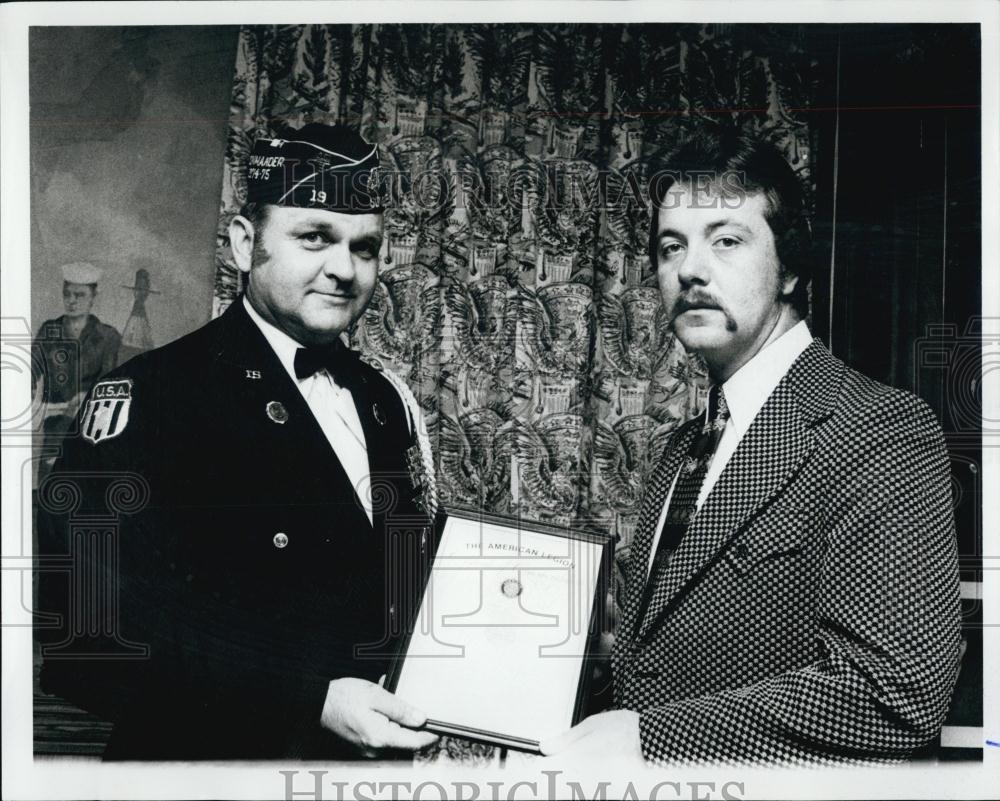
106 413
277 412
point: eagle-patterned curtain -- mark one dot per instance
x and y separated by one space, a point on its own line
515 295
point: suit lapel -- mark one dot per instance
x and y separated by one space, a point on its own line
771 452
373 419
274 410
649 516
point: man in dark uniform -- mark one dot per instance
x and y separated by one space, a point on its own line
243 521
69 354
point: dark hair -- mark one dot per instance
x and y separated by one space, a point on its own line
744 163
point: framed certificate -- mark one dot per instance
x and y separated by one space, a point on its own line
500 649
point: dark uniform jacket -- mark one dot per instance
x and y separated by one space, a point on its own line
72 365
211 565
811 611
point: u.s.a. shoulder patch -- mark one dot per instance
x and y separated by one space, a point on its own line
106 413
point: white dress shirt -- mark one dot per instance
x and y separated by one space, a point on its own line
331 405
746 392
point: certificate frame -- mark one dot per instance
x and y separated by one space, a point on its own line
464 727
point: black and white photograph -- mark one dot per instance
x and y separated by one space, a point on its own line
500 400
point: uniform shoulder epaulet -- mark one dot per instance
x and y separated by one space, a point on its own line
417 426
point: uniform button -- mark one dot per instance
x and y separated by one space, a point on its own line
742 551
280 539
392 610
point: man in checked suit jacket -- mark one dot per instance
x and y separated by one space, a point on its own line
809 613
245 500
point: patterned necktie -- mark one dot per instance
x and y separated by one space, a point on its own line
684 500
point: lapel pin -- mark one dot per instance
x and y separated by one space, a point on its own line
253 374
377 412
277 412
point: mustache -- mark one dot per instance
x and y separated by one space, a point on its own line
694 300
698 299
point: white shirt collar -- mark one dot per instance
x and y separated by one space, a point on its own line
282 344
748 389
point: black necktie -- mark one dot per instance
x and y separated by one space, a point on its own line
340 362
684 499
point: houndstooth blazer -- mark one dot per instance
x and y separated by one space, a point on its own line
811 612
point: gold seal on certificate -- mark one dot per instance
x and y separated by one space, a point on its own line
499 651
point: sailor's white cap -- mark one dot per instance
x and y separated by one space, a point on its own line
81 272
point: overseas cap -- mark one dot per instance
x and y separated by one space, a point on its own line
81 272
317 166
